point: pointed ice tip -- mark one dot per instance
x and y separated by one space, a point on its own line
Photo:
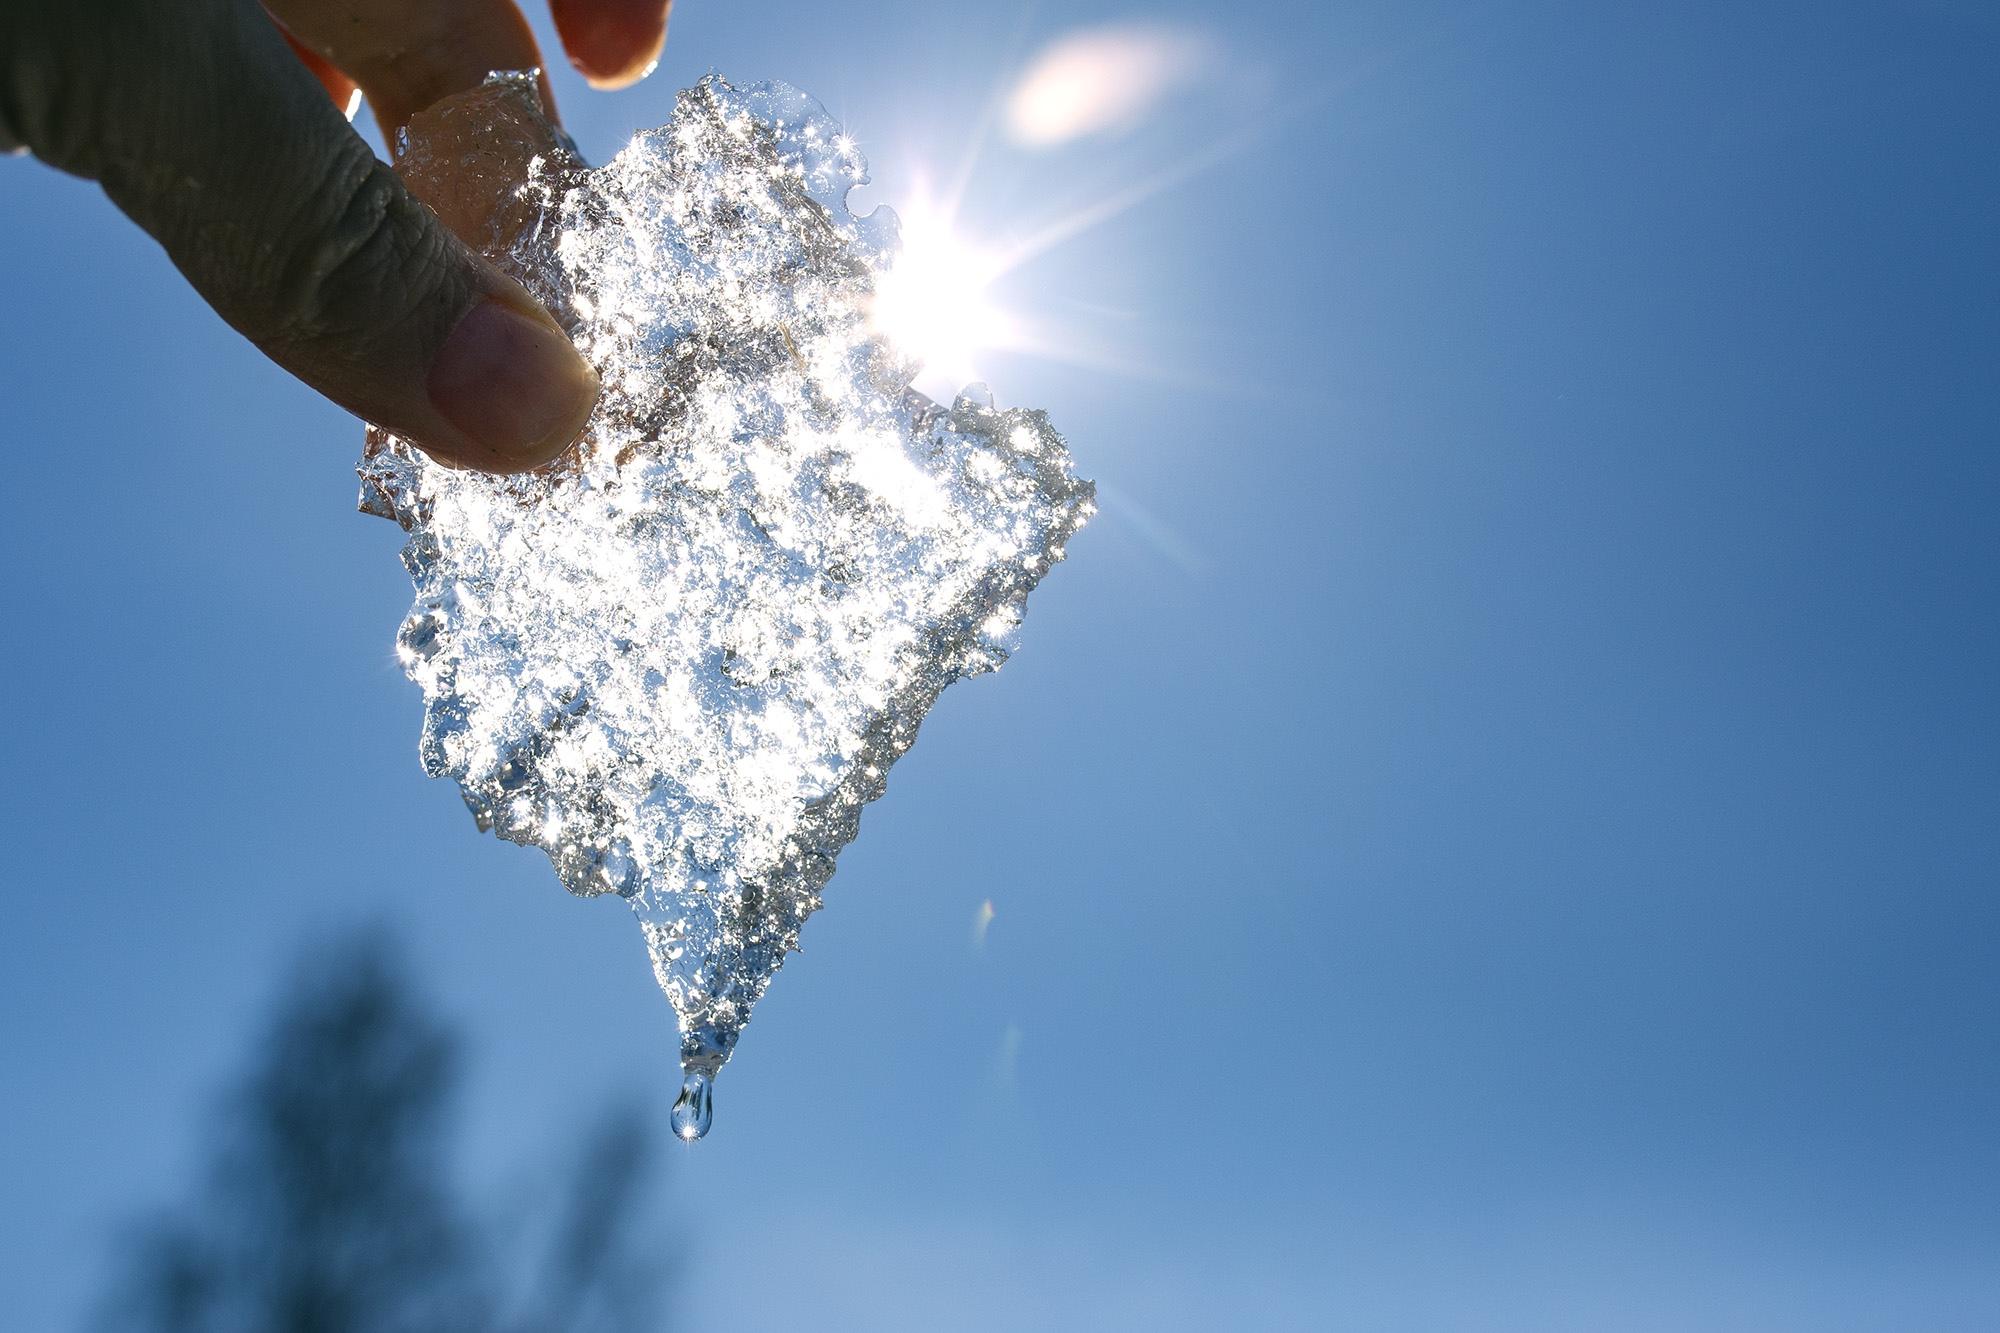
705 1048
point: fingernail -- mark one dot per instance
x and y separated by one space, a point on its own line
513 385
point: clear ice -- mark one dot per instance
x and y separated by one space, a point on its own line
683 657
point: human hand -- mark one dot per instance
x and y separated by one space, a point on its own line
219 136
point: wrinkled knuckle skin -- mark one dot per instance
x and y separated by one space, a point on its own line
362 263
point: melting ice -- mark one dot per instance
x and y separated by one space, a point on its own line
683 657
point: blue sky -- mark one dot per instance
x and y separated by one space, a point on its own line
1494 827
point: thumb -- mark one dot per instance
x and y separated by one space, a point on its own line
200 124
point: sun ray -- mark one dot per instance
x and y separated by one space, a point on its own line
938 305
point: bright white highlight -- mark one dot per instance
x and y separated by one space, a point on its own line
1102 80
933 303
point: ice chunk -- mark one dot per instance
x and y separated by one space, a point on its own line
683 657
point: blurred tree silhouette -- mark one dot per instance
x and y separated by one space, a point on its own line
329 1207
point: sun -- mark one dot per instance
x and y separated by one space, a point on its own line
933 303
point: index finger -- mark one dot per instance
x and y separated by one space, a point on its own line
407 57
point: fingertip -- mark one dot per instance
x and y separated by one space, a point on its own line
511 386
612 43
611 83
608 80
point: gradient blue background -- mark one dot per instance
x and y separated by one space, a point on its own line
1494 827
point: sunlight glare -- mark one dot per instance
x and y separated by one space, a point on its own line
933 305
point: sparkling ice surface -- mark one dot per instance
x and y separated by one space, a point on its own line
683 657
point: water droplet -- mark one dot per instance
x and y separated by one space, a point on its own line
694 1109
419 639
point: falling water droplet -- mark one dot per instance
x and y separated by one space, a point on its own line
694 1109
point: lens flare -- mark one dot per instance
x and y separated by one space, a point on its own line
1103 80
